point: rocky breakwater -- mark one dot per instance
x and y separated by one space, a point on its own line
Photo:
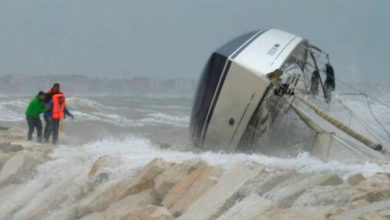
18 158
191 190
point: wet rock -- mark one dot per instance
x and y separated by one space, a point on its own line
63 213
100 201
167 179
6 194
305 213
327 195
8 147
101 178
19 167
120 209
31 145
370 211
41 205
149 212
4 158
101 163
96 174
94 216
266 181
146 179
39 212
285 195
164 145
4 128
355 179
372 189
375 188
222 195
316 212
337 211
254 206
143 181
190 188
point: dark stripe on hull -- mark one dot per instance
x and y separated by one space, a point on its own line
248 43
203 99
215 102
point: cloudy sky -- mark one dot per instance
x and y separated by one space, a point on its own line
173 38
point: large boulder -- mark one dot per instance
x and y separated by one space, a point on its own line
41 205
8 147
374 210
149 212
19 167
190 188
97 167
94 216
372 189
4 158
375 188
266 181
120 209
167 179
32 146
306 213
248 208
223 195
327 195
7 209
355 179
285 195
143 181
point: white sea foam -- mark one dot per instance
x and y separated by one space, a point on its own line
161 118
85 103
13 110
67 172
135 152
84 109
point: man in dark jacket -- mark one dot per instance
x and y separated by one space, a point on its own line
34 109
56 89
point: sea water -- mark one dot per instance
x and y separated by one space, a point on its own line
132 129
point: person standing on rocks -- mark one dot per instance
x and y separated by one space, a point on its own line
56 89
34 109
57 111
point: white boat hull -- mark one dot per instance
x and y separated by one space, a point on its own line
223 110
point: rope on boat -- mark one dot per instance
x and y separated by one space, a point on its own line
368 142
359 121
372 111
368 106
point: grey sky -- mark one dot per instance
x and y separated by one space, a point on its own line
173 38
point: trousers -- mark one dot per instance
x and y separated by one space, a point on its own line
33 123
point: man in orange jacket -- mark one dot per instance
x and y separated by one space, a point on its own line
57 112
55 89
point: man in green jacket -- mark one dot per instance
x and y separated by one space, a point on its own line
34 109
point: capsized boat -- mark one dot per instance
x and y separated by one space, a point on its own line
249 81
